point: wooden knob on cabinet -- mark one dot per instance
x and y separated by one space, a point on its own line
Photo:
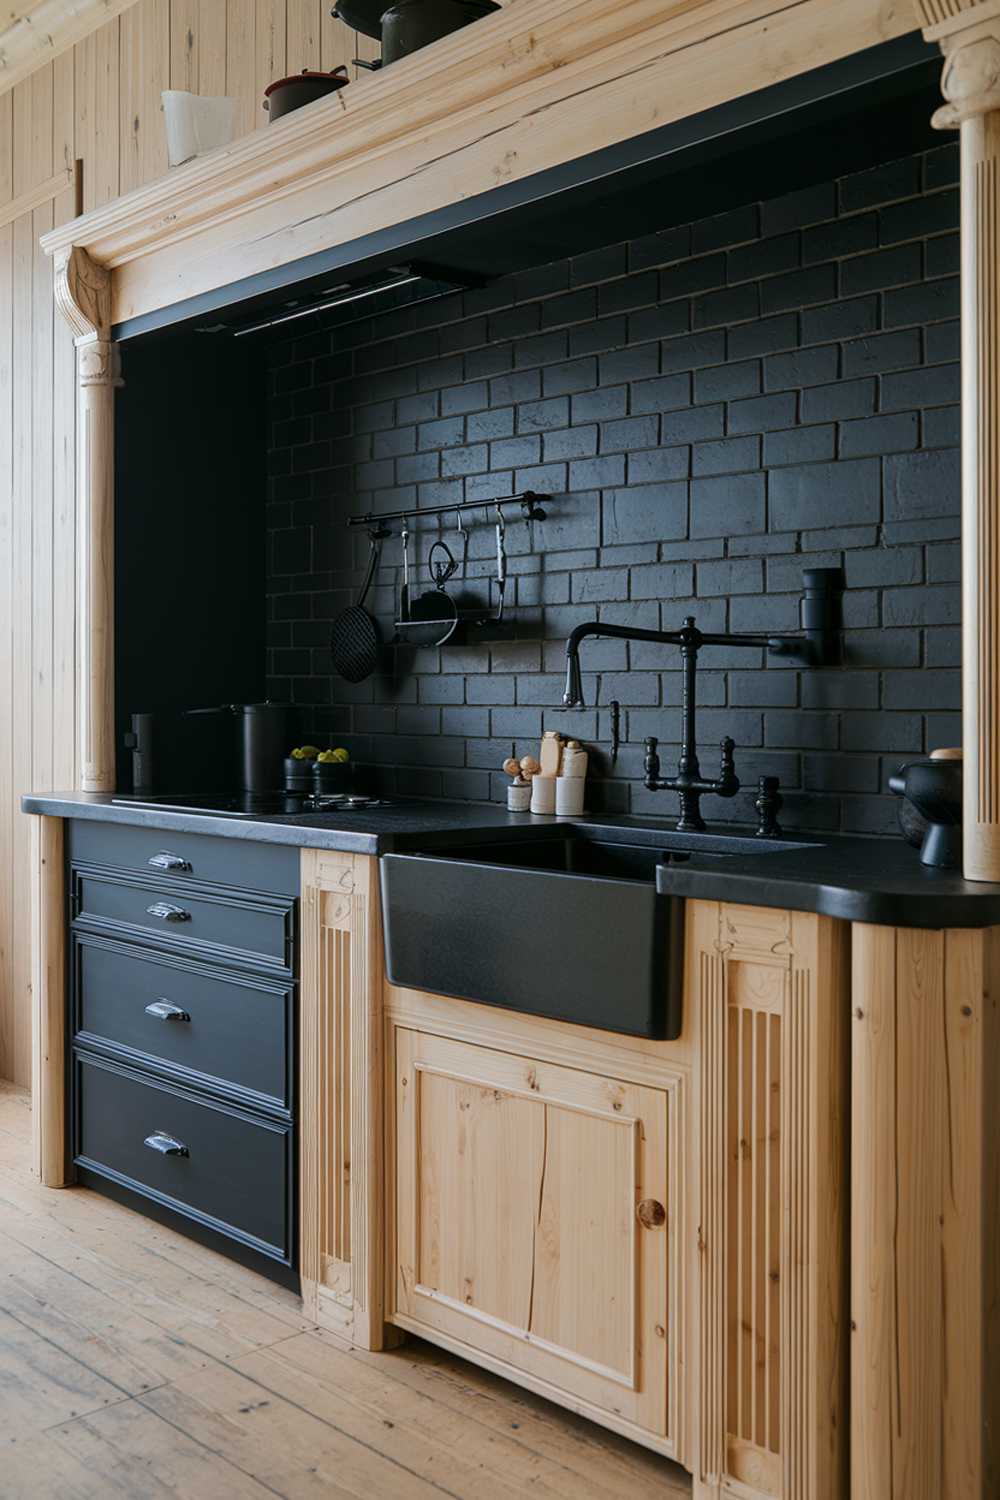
651 1215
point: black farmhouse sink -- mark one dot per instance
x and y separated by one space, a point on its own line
566 925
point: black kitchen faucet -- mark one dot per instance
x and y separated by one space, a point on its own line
689 784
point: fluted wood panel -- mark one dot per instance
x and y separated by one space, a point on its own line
937 12
772 989
97 103
981 493
340 1025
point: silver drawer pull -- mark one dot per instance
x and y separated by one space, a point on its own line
162 1010
168 913
166 861
165 1144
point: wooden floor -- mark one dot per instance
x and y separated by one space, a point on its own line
135 1363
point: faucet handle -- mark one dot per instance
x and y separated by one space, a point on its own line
768 804
651 764
729 783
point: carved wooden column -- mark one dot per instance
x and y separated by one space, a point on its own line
83 294
969 35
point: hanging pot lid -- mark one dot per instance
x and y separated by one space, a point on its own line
362 15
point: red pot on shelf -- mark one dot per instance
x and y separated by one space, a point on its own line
286 94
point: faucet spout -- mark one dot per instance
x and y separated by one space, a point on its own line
573 696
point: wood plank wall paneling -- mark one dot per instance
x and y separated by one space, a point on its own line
98 103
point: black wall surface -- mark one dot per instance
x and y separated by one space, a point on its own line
189 528
714 409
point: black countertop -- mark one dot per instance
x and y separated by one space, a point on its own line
877 880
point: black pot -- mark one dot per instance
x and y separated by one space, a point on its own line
409 25
286 94
361 15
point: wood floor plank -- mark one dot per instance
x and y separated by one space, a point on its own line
587 1450
15 1112
41 1385
138 1454
281 1444
136 1363
478 1462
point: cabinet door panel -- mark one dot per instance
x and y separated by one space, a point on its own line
518 1189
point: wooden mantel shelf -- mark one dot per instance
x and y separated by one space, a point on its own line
536 85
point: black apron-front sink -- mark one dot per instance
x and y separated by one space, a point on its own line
567 928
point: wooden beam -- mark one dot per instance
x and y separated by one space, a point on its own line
45 192
45 30
521 91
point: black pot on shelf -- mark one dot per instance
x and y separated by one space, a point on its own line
286 94
409 25
361 15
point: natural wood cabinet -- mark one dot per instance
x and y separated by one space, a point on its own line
532 1219
537 1179
652 1233
769 990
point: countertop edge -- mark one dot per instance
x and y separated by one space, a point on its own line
910 900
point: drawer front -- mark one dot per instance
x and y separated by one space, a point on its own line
254 929
231 1173
218 1030
186 857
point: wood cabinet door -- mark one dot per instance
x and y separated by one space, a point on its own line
533 1219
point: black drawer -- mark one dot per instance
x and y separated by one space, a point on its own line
232 926
184 857
215 1029
232 1174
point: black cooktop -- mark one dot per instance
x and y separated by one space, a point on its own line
256 804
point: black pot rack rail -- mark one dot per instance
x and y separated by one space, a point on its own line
532 508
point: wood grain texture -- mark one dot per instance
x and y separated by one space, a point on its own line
135 1362
925 1374
68 112
34 35
595 76
770 989
341 1161
50 1158
538 1212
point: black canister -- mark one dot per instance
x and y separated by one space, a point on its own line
264 741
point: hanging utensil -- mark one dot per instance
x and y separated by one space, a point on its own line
431 620
354 635
463 533
404 593
501 562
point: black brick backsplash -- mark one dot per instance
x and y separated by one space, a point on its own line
713 409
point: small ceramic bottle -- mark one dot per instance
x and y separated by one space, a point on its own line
519 796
